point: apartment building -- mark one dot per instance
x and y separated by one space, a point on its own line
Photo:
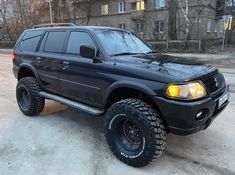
136 16
150 18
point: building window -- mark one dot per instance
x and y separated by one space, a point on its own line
216 27
209 25
122 26
121 7
104 9
160 26
230 3
140 5
221 26
220 8
160 3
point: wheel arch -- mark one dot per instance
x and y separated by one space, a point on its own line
125 89
27 70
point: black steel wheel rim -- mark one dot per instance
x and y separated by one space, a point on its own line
23 98
129 135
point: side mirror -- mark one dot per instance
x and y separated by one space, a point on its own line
87 51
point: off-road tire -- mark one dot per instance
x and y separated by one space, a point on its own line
35 103
147 120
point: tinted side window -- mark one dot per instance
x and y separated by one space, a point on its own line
76 39
30 41
55 42
43 42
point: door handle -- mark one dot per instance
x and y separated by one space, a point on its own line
65 67
66 62
38 60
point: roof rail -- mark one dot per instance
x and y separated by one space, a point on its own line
54 25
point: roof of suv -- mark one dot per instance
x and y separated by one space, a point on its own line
80 27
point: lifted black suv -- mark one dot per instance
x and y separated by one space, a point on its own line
107 71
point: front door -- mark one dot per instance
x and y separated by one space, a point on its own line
80 78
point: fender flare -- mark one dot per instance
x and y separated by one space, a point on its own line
128 84
29 66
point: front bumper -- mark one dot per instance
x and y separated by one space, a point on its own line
181 117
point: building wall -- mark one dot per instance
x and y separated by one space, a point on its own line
149 18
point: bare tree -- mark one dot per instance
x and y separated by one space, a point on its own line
25 14
191 18
18 15
184 6
66 10
4 12
172 22
85 8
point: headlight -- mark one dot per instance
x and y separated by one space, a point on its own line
187 91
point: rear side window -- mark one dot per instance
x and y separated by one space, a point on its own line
76 39
30 41
55 42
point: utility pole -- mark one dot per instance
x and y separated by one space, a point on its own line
223 41
49 1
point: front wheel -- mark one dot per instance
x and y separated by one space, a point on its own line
135 132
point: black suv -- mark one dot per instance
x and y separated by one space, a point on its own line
109 72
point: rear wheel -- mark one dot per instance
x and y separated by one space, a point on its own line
28 98
135 132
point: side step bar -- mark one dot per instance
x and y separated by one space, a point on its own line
80 106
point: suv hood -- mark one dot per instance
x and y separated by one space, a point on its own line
181 69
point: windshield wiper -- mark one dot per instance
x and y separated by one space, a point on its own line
152 52
123 53
148 57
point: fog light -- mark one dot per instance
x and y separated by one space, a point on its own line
202 114
199 114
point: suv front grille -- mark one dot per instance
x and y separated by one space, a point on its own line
214 83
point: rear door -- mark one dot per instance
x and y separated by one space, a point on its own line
26 47
81 78
48 58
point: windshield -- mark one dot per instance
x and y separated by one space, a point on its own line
120 42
